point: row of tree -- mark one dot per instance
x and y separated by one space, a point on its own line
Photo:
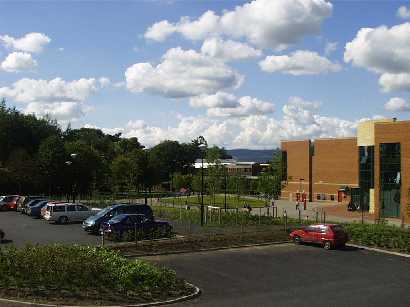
37 156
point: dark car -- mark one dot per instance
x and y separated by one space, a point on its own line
328 235
9 202
35 210
26 199
93 223
30 204
136 224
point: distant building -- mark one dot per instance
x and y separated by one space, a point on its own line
235 168
374 168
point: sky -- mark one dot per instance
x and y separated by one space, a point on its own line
244 74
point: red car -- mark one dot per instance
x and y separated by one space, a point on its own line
328 235
9 202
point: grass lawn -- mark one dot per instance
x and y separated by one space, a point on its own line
218 200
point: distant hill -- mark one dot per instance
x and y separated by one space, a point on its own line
255 155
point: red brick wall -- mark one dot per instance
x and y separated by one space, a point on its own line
334 164
297 166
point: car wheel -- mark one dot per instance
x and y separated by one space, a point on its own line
62 220
297 240
327 245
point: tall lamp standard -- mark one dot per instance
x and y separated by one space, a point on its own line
202 146
73 183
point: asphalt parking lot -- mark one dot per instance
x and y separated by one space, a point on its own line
289 275
21 229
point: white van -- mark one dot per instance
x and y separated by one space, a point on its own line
63 213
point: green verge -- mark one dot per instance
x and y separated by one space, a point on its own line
218 200
380 235
83 275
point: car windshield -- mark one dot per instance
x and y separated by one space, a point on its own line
338 228
103 211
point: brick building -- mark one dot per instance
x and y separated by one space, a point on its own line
372 168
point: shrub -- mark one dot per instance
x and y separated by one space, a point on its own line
80 267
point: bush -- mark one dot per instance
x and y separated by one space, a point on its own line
380 235
74 268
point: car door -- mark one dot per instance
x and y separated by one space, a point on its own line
309 234
72 213
83 212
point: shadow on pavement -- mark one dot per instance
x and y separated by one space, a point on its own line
6 241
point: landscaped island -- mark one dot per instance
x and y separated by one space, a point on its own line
83 275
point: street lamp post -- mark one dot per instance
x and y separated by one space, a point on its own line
226 182
202 146
73 183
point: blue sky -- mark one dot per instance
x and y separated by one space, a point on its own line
302 91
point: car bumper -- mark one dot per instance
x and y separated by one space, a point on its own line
90 228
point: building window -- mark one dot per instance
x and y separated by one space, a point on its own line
284 165
390 179
332 197
366 174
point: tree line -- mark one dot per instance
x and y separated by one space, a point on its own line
37 156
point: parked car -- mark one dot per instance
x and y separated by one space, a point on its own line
328 235
21 205
124 223
30 204
62 213
35 211
93 223
9 202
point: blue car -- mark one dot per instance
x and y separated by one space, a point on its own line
136 223
35 210
93 223
30 204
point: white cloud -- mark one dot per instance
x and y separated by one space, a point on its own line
224 104
60 99
64 112
301 119
300 62
18 61
330 47
182 73
160 31
395 82
229 50
247 106
385 51
32 90
403 12
397 104
104 81
218 100
264 23
31 42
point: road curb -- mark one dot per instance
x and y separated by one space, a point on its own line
196 294
206 249
379 250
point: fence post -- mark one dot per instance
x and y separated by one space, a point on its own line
219 216
299 216
236 216
260 213
317 216
285 217
102 238
180 212
135 234
324 217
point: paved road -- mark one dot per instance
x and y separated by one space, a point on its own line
288 275
21 229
